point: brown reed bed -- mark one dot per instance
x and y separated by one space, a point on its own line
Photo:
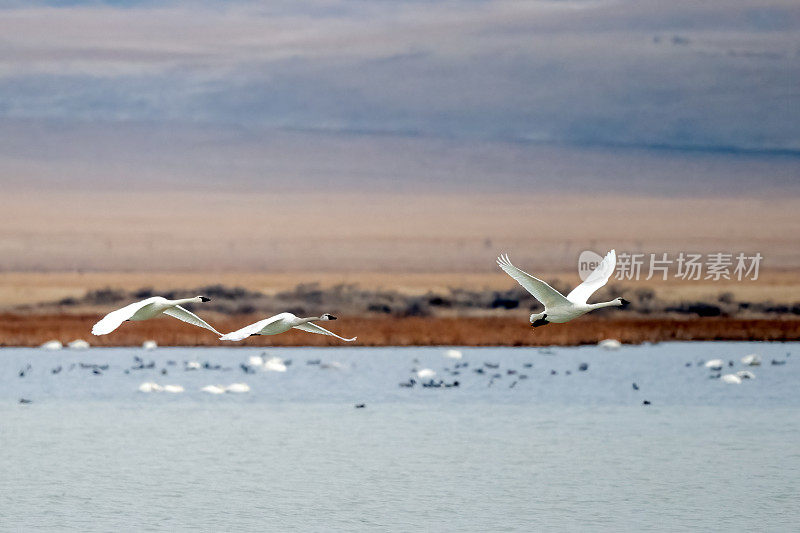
33 330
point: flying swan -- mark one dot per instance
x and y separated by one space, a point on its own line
281 323
151 308
557 307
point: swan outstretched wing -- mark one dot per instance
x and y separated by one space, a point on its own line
540 290
313 328
252 329
187 316
114 319
596 279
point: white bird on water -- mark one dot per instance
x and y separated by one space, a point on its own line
281 323
78 344
149 386
557 307
274 364
751 360
151 308
425 373
453 354
733 379
610 344
52 345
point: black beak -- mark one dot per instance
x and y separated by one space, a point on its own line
625 303
204 299
331 317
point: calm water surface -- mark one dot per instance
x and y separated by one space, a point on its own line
572 452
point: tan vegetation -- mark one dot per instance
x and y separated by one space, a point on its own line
26 330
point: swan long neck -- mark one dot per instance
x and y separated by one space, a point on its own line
183 301
324 317
307 320
612 303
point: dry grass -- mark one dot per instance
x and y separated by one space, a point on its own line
22 330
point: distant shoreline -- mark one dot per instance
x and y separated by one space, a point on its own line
33 330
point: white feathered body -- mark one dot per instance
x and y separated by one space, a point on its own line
156 306
151 308
282 323
563 313
557 307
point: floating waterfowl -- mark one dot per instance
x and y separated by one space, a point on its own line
274 364
149 386
238 388
453 354
149 345
78 344
425 373
609 344
51 345
751 360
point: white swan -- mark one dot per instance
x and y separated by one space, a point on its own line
557 307
151 308
751 360
274 364
281 323
78 344
715 364
255 360
238 387
149 386
149 345
453 354
213 389
51 345
426 373
174 389
733 379
610 344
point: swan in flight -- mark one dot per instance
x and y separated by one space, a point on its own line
557 307
151 308
281 323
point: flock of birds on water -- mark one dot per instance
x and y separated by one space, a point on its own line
557 309
418 377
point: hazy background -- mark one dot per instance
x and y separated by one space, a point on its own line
394 136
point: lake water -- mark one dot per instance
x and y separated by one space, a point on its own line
571 452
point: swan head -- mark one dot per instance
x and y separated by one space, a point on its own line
204 298
622 302
327 316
